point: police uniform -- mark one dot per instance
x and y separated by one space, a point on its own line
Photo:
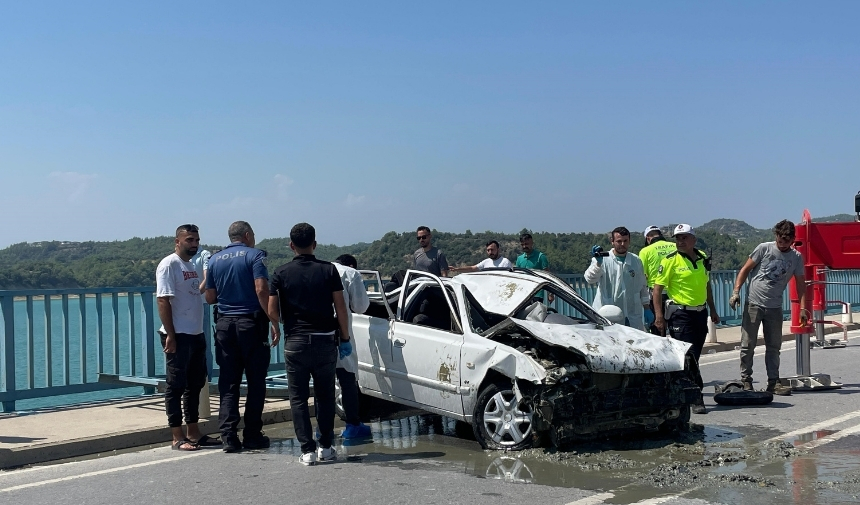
685 281
241 337
652 255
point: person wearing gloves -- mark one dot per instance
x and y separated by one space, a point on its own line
620 280
303 291
355 298
769 268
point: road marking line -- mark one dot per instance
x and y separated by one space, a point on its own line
658 500
106 471
595 499
818 426
832 437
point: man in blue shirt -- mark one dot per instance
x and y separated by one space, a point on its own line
238 282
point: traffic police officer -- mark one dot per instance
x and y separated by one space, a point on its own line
238 282
684 275
651 255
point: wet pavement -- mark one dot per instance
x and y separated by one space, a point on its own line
803 449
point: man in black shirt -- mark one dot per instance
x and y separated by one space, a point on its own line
303 291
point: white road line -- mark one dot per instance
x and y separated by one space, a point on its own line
660 499
102 472
818 426
595 499
832 438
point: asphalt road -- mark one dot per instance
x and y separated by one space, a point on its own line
738 455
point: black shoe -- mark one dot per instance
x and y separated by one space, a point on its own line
698 409
256 442
231 443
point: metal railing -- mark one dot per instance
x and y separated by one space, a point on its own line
56 342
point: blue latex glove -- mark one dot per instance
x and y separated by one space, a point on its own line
344 349
594 251
649 318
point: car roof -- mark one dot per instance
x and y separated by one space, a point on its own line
500 291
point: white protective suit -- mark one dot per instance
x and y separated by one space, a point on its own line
622 285
355 296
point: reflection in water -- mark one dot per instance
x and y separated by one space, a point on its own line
510 469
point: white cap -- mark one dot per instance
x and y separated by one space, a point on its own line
684 228
650 229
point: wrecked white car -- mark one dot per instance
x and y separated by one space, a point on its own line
486 349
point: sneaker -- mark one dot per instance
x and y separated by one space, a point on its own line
308 459
356 431
326 454
698 409
231 443
256 442
776 387
747 384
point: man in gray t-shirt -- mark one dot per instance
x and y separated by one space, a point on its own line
769 268
427 258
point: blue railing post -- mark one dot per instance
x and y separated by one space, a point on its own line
147 339
7 352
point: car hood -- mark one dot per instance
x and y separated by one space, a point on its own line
608 349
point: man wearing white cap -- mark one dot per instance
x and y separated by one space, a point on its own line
684 275
651 255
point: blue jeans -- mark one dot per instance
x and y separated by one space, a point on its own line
309 356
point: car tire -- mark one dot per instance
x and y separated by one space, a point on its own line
682 422
499 422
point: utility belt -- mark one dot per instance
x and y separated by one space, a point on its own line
328 336
257 314
671 307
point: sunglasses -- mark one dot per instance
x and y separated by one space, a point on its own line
423 237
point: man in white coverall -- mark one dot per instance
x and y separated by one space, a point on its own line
620 280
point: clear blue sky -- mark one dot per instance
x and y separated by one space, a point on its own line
122 119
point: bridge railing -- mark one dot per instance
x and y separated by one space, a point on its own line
56 342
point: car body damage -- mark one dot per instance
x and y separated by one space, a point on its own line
488 349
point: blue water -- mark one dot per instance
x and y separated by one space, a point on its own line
57 348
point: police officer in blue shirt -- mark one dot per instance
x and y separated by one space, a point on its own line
238 282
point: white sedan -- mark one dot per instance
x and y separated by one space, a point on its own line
485 348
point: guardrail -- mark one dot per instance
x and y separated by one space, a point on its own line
723 282
57 341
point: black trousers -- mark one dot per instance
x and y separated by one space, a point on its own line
186 375
309 356
349 395
690 326
653 329
242 346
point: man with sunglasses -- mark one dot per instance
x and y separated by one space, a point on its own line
684 275
428 258
769 268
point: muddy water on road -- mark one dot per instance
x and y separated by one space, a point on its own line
709 462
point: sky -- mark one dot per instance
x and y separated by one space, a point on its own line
126 119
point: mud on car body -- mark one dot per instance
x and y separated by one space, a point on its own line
488 349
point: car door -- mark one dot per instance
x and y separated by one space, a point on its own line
372 335
425 367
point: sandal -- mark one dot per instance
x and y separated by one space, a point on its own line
207 441
184 445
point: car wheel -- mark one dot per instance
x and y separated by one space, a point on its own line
500 421
678 424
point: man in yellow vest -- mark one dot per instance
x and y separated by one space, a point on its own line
684 275
651 255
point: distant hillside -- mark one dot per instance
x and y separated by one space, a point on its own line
132 262
838 218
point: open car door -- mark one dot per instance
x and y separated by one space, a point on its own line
427 338
372 336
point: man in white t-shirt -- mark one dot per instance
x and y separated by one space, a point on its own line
181 313
494 260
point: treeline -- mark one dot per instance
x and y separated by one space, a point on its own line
133 262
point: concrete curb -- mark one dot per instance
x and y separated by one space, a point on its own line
730 346
34 454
